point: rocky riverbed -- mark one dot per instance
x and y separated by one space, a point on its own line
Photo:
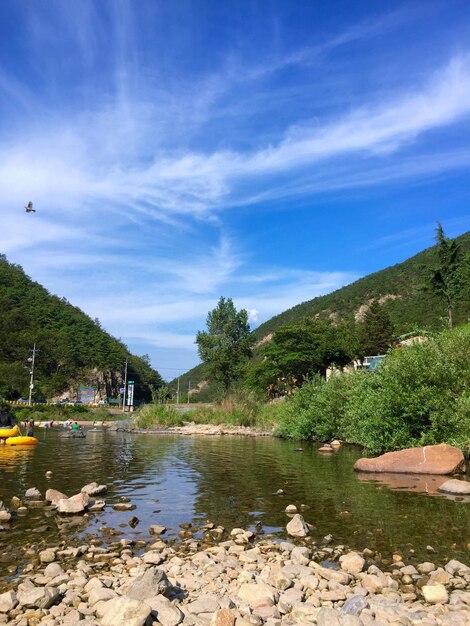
226 579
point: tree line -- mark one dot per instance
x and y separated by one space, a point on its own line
72 347
300 350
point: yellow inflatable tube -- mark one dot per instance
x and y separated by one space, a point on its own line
21 441
9 432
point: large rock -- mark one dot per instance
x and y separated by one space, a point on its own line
460 487
440 459
297 527
125 611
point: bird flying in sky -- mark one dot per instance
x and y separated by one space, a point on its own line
29 207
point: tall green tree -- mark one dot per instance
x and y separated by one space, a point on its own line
226 345
376 331
445 277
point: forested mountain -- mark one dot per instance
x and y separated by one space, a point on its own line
401 289
72 348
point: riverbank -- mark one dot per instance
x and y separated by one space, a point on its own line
241 580
193 429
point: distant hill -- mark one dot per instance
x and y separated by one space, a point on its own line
72 348
399 288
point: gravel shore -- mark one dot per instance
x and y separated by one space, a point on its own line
226 579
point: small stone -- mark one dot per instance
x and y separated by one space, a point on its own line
153 582
47 556
328 617
157 529
8 601
223 617
49 474
456 567
123 506
426 567
297 527
254 592
461 487
354 605
125 611
353 563
53 496
435 594
53 570
33 494
291 509
93 489
167 613
75 504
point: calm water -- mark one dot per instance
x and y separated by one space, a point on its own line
231 481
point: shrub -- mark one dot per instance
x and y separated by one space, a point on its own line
419 396
316 410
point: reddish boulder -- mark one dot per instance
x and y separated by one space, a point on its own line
440 459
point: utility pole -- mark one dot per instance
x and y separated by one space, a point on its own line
125 387
178 392
189 390
31 380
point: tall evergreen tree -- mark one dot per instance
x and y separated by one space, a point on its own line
376 331
444 278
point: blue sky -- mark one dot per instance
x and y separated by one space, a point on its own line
266 151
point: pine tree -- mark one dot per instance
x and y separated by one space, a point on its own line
376 331
444 278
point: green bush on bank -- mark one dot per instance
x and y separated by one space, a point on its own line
419 396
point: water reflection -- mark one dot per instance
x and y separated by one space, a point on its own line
419 483
233 481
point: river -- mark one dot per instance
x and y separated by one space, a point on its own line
231 481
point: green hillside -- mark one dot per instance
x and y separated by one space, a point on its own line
400 288
72 348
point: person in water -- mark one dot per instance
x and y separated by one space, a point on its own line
6 418
75 426
30 428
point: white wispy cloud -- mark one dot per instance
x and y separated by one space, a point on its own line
136 179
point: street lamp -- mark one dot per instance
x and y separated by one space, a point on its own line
31 360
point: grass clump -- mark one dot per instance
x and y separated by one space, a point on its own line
236 410
158 415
